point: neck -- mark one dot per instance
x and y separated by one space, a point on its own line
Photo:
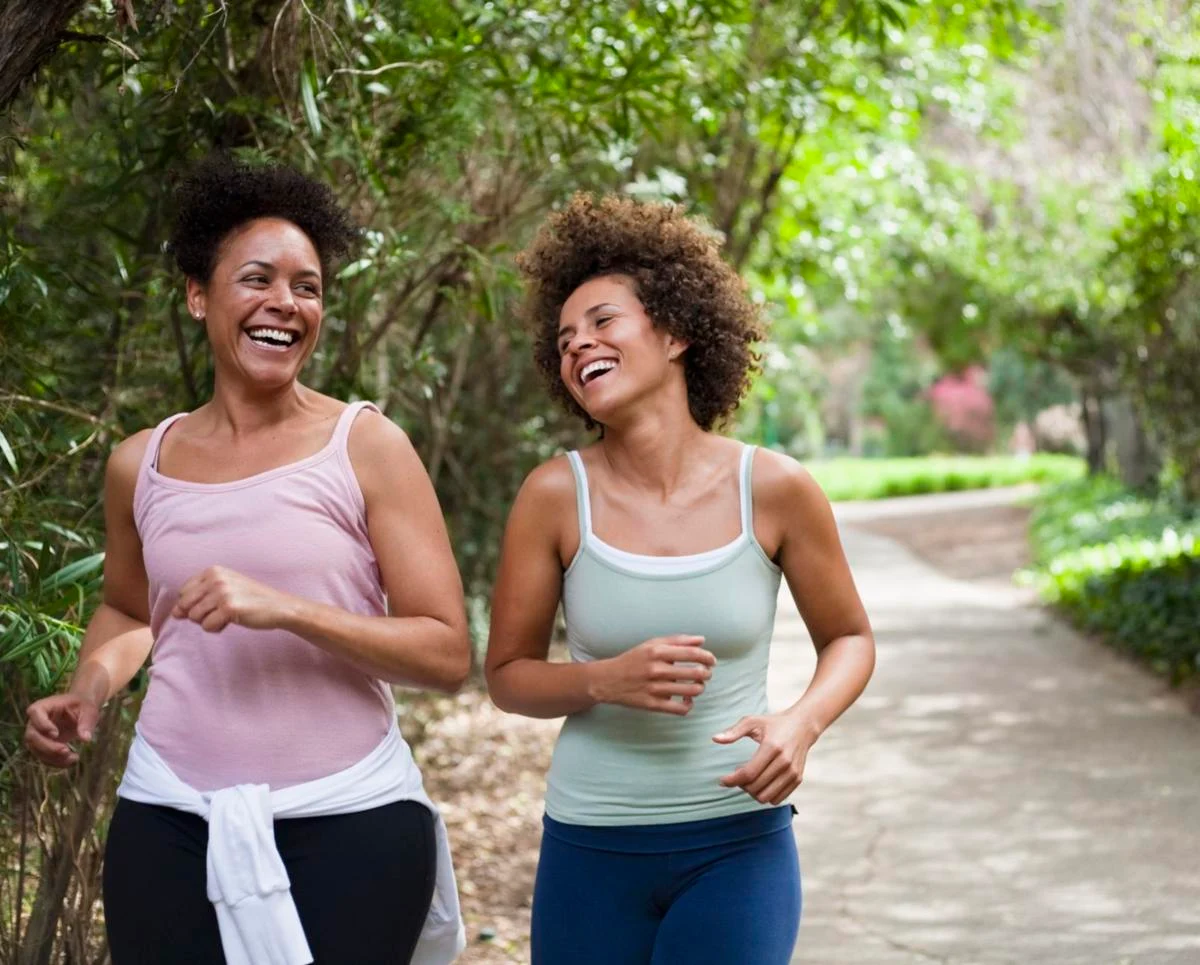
655 449
245 409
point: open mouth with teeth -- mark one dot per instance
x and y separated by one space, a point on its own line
273 338
596 370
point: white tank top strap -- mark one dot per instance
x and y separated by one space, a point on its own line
583 498
746 489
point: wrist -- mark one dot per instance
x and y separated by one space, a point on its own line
807 722
294 614
595 681
90 684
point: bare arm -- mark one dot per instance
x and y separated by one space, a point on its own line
528 588
829 604
117 641
814 564
423 640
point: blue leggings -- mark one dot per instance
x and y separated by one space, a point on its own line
715 892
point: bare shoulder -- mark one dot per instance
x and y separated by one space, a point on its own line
373 431
544 510
126 459
382 456
551 485
782 483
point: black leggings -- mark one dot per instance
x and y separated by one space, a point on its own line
362 883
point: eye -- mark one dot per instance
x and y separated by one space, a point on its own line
309 288
256 279
603 320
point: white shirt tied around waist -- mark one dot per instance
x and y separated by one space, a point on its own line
247 882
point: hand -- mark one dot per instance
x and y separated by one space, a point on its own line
650 675
777 767
57 722
219 596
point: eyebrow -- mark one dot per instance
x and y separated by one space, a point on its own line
269 266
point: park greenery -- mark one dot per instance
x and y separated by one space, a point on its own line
851 479
965 222
1123 565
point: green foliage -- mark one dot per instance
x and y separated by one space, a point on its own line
1124 567
845 479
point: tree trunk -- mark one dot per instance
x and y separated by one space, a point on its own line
1137 460
1094 425
30 32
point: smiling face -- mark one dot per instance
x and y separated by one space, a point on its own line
611 354
262 305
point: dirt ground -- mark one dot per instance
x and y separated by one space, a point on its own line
486 769
988 543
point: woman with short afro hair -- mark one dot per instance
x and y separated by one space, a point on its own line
281 558
667 833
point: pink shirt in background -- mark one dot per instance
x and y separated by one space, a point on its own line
259 706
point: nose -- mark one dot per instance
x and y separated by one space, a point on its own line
581 342
283 302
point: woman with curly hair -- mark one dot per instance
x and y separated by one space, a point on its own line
281 557
667 838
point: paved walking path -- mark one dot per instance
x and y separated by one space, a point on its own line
1004 793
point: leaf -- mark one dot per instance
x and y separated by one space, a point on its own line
6 449
354 268
308 97
72 572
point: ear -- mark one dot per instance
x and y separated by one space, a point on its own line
676 347
197 300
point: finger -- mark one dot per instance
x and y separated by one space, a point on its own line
775 769
216 621
679 672
677 708
85 721
746 727
751 770
682 640
43 747
193 590
676 688
38 718
781 791
678 654
200 610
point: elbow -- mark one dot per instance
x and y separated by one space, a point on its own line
497 691
458 674
457 669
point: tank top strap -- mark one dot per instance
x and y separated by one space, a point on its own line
150 456
746 489
150 461
582 497
341 431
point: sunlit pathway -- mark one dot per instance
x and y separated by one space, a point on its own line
1005 792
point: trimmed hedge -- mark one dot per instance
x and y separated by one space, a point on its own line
844 479
1124 567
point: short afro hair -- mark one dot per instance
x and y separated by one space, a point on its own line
221 194
679 276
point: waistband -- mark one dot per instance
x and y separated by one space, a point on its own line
678 836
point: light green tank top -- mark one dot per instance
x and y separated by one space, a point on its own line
617 765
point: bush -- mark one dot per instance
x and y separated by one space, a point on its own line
844 479
1124 567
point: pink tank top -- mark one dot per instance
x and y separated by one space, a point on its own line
259 706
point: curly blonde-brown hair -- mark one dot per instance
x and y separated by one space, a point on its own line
679 276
